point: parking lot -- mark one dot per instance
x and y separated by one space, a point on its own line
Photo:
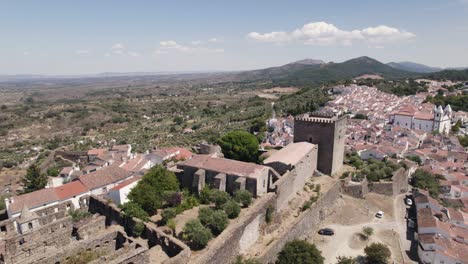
349 218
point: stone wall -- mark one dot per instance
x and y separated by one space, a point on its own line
306 222
174 248
355 189
90 226
398 185
400 181
240 236
51 236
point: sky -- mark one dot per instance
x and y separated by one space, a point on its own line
93 36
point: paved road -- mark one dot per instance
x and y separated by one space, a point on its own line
406 238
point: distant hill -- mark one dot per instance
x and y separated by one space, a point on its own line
413 67
453 75
301 74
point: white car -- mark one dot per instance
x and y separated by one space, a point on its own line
379 214
408 201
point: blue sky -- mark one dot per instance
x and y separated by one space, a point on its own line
80 37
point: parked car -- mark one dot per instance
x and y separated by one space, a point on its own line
408 201
379 214
326 232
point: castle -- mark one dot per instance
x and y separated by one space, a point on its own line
327 130
425 118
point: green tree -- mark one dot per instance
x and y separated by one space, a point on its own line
215 220
427 181
197 234
53 172
456 127
239 145
346 260
34 179
205 195
219 198
300 252
151 190
132 209
244 197
232 209
168 214
463 140
377 253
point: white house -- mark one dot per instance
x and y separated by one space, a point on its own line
118 194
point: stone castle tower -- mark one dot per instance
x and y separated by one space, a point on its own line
328 131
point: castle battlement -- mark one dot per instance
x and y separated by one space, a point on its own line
320 117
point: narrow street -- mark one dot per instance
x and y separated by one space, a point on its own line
405 234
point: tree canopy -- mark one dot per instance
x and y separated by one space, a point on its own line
377 253
300 252
427 181
150 192
239 145
34 179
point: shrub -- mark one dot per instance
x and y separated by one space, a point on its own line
219 198
188 202
78 215
168 214
269 213
299 251
240 260
244 197
197 234
377 253
171 224
367 231
218 222
215 220
53 172
346 260
205 195
232 209
174 198
138 229
132 209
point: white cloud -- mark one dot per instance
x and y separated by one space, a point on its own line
382 34
172 45
121 50
322 33
118 49
26 53
82 52
214 40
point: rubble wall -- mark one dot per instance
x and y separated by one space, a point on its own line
174 248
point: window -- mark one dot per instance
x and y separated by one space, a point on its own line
3 228
264 183
22 241
30 225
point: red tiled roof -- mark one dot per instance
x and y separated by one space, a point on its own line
33 199
227 166
97 152
125 183
70 189
103 177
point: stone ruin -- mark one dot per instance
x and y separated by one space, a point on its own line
52 236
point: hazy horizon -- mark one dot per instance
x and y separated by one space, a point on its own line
88 37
